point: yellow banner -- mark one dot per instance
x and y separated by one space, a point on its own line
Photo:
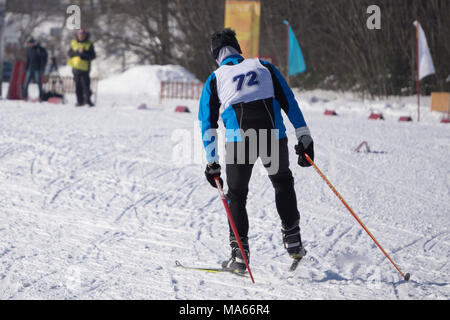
243 17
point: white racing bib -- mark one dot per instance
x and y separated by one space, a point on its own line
244 82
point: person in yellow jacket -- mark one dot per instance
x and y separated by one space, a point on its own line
81 54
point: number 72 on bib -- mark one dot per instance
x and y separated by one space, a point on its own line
240 78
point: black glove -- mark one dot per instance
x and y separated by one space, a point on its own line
213 170
305 145
84 55
73 53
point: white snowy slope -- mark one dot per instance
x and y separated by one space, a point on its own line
141 81
99 203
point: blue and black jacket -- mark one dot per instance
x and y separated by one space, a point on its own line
255 114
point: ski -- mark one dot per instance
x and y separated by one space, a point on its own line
294 264
210 270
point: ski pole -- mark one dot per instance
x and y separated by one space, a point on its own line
404 276
233 226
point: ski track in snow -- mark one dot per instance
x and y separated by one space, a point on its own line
93 205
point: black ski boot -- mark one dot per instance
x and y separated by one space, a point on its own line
236 263
293 242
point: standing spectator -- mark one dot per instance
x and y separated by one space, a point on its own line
36 61
81 54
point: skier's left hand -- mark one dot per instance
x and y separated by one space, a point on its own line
213 170
305 145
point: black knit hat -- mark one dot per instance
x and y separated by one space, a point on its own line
220 39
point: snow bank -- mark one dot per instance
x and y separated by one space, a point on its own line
143 81
104 69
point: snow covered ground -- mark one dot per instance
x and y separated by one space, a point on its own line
99 203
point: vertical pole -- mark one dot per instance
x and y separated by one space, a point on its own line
417 73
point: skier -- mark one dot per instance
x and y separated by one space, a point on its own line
36 61
253 93
81 54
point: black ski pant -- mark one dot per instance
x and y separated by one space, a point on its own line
82 86
238 177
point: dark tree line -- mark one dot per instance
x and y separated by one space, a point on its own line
340 51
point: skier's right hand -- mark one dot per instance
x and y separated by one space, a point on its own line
305 145
213 170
